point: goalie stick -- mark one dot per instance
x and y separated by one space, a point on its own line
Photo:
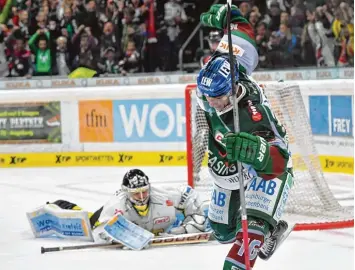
158 241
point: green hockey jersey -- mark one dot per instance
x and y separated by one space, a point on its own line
255 117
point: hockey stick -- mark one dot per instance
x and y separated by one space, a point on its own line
245 243
159 241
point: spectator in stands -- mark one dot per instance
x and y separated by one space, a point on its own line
92 18
109 64
39 23
274 53
297 20
87 51
113 9
63 58
262 38
275 19
67 24
108 39
245 8
90 31
131 30
214 37
39 44
254 18
174 16
140 11
284 17
3 61
53 27
19 58
54 10
289 45
131 60
346 39
315 32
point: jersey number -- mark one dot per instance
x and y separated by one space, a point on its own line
253 249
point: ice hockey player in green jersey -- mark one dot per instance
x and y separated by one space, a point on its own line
261 146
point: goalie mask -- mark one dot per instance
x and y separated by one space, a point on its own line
136 184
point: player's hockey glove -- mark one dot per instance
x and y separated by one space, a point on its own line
247 148
216 17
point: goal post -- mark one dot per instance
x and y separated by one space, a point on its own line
311 204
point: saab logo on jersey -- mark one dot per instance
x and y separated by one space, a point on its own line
264 186
224 48
218 136
205 81
161 220
255 114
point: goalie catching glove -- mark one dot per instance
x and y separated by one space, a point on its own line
248 149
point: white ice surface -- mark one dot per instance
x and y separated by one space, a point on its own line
23 190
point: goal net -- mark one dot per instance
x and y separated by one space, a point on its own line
311 204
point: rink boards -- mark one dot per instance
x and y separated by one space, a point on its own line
143 125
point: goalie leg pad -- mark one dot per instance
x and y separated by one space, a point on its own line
72 206
257 230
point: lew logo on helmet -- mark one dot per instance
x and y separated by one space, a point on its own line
206 81
255 114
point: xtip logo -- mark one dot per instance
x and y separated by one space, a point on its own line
165 158
181 157
62 159
14 160
2 161
124 158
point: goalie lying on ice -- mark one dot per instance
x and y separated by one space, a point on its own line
160 211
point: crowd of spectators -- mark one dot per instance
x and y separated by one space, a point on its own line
54 37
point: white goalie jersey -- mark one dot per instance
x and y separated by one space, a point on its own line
171 210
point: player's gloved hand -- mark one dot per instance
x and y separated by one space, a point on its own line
247 148
216 17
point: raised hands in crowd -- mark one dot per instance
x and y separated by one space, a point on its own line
54 37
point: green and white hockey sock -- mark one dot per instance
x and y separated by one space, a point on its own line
257 230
